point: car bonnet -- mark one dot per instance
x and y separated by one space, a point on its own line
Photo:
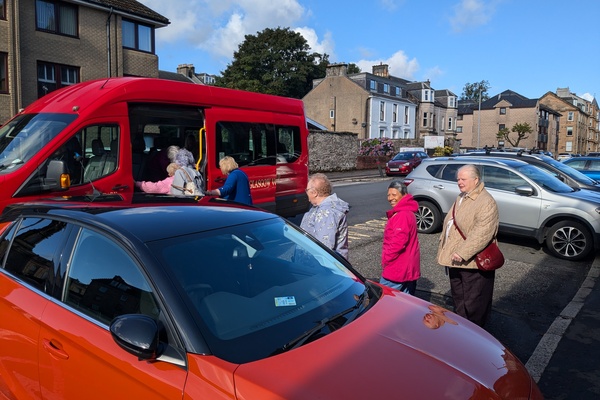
390 352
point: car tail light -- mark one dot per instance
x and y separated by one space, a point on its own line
3 226
407 181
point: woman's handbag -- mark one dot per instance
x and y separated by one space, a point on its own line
488 259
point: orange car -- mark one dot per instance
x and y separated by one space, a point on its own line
219 301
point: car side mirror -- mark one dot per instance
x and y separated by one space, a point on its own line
137 334
57 176
524 190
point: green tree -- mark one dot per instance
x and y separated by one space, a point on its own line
274 61
353 68
523 130
471 91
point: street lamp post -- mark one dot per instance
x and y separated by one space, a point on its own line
479 120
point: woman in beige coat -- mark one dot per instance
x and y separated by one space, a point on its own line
476 214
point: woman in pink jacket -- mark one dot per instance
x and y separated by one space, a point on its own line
163 186
401 253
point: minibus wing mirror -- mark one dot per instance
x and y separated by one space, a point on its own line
57 176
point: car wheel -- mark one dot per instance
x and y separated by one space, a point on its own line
569 240
429 218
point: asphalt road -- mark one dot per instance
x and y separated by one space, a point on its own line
531 289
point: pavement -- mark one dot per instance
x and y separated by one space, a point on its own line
566 362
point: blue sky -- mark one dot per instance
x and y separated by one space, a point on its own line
528 46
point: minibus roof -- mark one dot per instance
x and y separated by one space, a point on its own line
95 93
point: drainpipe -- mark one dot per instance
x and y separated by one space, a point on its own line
108 47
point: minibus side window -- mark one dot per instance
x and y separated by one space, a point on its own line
249 144
288 144
101 151
88 155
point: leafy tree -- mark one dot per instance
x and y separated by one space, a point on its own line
274 61
471 91
353 68
522 130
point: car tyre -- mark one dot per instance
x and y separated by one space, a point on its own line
569 240
429 218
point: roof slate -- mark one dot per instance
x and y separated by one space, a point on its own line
132 7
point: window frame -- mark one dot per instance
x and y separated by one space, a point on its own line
3 9
58 10
502 111
3 72
57 76
571 116
136 39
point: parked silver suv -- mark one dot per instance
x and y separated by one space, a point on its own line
530 201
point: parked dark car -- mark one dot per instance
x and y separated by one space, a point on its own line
562 170
404 162
218 301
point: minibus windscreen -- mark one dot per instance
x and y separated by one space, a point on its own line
23 136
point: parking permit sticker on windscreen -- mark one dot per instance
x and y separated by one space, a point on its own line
285 301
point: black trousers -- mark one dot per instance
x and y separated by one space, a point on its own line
472 292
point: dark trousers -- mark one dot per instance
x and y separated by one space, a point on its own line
472 291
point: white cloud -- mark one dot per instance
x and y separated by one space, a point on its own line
587 96
219 26
399 65
325 46
432 74
471 13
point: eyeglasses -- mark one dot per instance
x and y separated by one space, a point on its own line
309 188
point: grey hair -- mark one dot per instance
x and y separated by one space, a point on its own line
323 184
474 171
398 185
172 152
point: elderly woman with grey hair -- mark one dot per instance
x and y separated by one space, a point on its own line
186 174
401 253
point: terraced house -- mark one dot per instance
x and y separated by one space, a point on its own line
48 44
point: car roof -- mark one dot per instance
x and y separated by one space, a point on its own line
511 162
583 158
145 222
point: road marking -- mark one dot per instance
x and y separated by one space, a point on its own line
375 225
543 352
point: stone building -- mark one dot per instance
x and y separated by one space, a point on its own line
437 110
372 105
48 44
579 123
478 125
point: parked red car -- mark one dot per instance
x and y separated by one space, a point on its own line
404 162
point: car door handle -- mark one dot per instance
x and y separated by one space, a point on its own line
55 349
118 188
438 186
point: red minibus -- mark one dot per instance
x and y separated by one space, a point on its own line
100 136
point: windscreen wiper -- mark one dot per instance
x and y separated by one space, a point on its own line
304 337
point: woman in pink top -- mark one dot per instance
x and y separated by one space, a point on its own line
401 253
163 186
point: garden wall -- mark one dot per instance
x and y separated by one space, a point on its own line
339 151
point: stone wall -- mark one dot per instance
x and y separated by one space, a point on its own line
332 151
338 151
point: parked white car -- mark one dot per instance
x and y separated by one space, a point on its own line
531 202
